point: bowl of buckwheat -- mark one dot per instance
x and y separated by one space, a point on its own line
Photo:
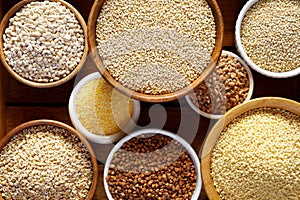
43 43
253 152
46 159
267 37
149 56
152 164
229 85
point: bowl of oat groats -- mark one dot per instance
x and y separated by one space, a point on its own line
152 164
229 85
253 152
156 51
267 37
43 43
46 159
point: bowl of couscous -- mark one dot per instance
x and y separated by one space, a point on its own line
101 113
253 152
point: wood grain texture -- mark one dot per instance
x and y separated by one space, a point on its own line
3 90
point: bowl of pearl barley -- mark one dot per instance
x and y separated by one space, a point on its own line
150 53
267 37
43 43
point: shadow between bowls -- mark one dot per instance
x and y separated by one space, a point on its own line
241 51
25 125
189 149
4 24
212 137
100 139
95 11
249 95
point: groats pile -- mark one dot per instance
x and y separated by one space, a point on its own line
224 89
257 156
270 34
43 42
155 47
45 162
152 167
101 109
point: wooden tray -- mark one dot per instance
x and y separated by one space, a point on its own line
20 103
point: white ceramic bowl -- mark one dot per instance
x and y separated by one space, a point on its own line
251 87
189 149
102 139
243 54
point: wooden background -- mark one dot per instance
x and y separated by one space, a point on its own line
20 103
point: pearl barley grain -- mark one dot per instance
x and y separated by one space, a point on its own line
257 156
155 47
270 34
43 42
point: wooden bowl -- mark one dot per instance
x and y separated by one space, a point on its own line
4 24
210 141
163 97
25 125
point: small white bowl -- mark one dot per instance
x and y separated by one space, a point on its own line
251 87
244 55
189 149
102 139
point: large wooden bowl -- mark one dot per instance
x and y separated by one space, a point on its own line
154 98
4 24
210 141
25 125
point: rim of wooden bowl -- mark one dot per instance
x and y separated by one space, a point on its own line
163 97
28 124
4 24
211 138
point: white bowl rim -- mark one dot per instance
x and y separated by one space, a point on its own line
101 139
189 149
244 55
249 95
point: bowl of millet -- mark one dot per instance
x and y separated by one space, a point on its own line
100 112
267 37
43 43
155 51
229 85
152 164
46 159
253 153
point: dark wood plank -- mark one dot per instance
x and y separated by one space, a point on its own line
230 10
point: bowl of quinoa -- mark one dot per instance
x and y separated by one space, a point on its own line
253 152
155 51
46 159
100 112
229 85
267 37
43 43
152 164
